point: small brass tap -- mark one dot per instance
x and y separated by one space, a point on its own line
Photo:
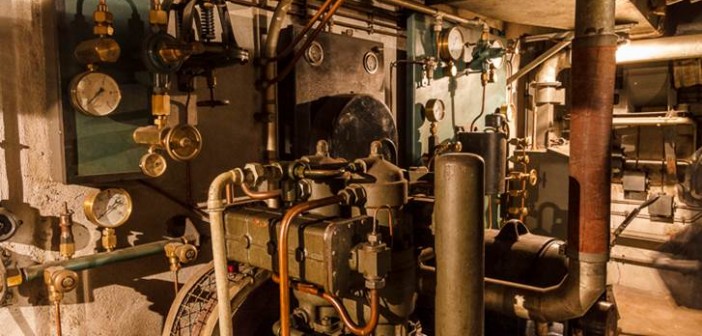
67 246
178 254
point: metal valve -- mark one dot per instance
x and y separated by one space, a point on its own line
67 246
182 143
59 281
179 253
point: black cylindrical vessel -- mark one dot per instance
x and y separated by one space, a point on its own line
492 147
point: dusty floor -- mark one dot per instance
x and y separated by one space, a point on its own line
645 314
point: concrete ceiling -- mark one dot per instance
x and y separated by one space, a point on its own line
555 13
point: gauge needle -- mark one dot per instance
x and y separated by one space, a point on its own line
96 95
110 208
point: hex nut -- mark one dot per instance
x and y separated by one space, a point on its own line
102 17
158 17
256 172
103 30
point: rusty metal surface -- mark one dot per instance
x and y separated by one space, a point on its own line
593 76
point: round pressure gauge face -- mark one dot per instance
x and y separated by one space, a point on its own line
153 164
451 44
108 208
314 55
95 93
435 110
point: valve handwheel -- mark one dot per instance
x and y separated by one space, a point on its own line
183 142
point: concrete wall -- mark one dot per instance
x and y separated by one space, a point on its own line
131 298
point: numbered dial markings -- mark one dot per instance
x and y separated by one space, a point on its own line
108 208
95 94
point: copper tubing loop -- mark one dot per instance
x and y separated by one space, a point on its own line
259 195
303 32
283 254
307 44
339 307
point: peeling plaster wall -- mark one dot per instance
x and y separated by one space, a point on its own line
130 298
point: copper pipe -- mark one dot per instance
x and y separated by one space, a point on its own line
283 254
339 307
307 44
57 308
259 195
302 33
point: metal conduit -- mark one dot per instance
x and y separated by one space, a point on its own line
660 49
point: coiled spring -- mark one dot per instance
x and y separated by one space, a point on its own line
207 21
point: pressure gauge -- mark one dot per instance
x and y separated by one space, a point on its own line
435 110
451 44
108 208
314 55
95 93
499 60
153 164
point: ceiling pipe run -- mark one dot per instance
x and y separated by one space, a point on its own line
593 74
660 49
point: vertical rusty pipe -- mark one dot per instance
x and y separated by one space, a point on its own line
459 244
593 73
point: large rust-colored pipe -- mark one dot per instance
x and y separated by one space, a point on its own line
593 74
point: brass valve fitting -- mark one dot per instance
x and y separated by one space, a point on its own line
58 281
178 254
109 239
372 259
67 246
103 21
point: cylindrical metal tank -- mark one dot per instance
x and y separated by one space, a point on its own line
459 244
492 147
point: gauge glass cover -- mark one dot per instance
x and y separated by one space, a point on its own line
435 110
95 94
108 208
153 164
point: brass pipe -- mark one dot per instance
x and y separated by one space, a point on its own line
339 307
57 315
283 255
421 8
259 195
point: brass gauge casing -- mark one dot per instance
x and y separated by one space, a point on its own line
451 45
435 110
153 164
183 142
108 208
95 93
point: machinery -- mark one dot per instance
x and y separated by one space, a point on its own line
361 219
